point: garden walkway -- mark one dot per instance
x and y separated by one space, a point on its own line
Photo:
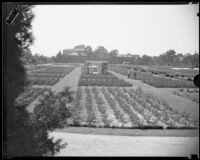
113 145
177 102
70 80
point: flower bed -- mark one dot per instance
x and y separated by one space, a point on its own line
55 70
43 81
45 75
29 95
101 80
191 94
122 107
48 76
154 80
34 68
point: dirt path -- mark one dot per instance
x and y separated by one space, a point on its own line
179 103
107 145
70 80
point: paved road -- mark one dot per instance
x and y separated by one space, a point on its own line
112 145
179 103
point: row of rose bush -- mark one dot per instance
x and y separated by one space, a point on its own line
101 80
48 76
127 108
165 71
45 75
161 110
154 80
192 95
43 81
29 95
55 69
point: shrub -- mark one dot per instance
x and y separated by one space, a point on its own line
52 112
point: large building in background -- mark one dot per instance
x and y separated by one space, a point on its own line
74 52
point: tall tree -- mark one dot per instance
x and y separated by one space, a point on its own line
22 136
81 46
195 60
146 60
88 49
101 53
16 38
59 57
89 53
113 53
167 57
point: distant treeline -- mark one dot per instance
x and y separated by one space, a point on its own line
169 58
29 59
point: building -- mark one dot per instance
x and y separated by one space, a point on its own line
69 52
96 67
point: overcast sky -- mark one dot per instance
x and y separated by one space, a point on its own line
135 29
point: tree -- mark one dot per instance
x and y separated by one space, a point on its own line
16 38
146 60
22 136
113 53
82 47
167 57
88 49
59 57
195 60
179 58
101 53
187 59
27 57
89 53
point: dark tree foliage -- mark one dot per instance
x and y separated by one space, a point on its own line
22 135
51 112
14 76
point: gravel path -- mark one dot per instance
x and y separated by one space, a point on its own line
70 80
179 103
106 145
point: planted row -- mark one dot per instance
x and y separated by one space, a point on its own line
43 81
45 75
101 80
190 94
55 70
127 108
29 95
155 80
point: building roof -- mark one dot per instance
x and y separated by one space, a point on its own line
83 54
73 54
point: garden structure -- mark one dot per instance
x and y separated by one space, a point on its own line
96 67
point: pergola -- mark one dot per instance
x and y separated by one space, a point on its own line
96 67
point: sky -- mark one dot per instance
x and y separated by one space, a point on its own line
135 29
